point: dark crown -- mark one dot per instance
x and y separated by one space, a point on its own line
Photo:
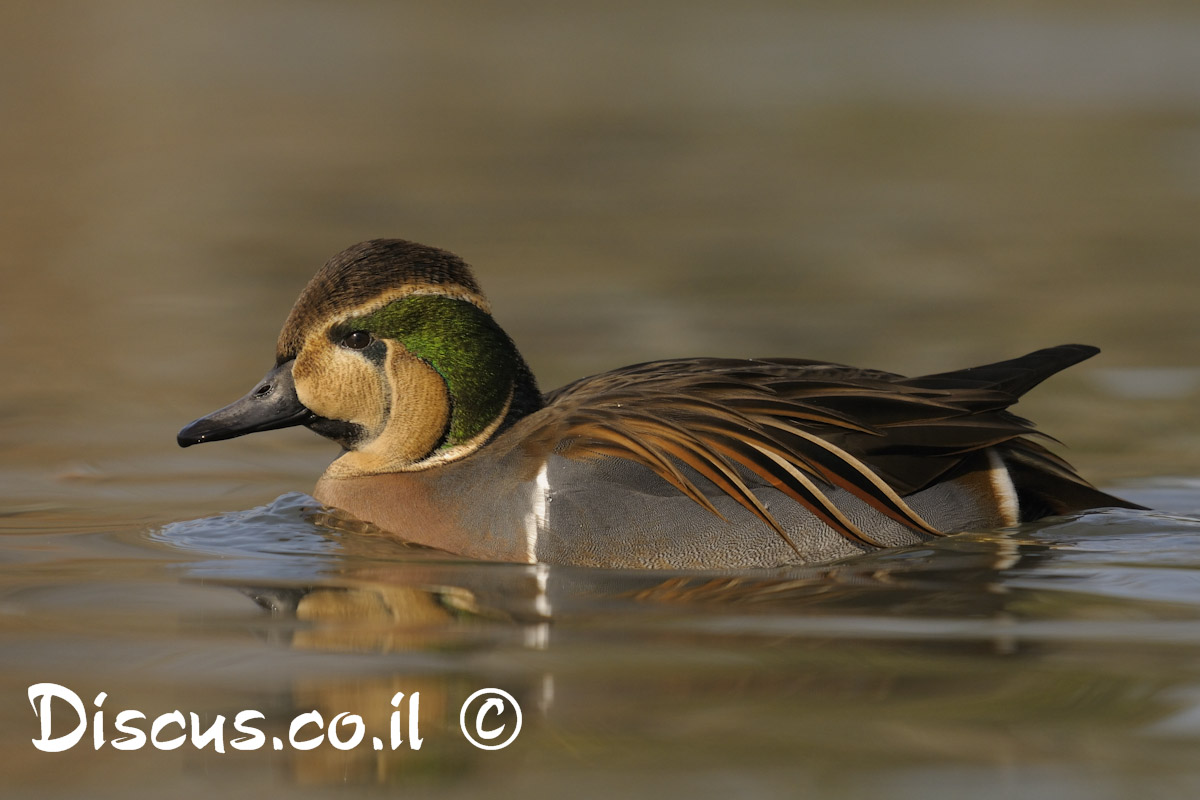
365 271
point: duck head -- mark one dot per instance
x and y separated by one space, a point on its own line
390 351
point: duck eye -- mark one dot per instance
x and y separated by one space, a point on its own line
357 340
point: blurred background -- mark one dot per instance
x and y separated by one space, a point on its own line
913 188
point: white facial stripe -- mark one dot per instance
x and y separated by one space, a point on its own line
319 336
411 290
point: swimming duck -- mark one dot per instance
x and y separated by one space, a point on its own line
391 351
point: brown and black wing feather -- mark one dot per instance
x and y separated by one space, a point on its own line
806 427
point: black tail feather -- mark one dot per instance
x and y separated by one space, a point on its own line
1013 377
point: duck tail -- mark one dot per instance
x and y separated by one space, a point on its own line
1048 486
1015 376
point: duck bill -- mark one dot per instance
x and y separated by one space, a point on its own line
269 405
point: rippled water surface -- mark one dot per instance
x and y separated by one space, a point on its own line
911 190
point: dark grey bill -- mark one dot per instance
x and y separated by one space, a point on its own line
269 405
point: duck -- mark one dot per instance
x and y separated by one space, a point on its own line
391 351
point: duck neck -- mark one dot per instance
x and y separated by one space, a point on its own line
526 397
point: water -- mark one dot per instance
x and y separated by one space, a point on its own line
1059 657
911 191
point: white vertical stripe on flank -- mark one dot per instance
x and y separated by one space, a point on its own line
535 518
